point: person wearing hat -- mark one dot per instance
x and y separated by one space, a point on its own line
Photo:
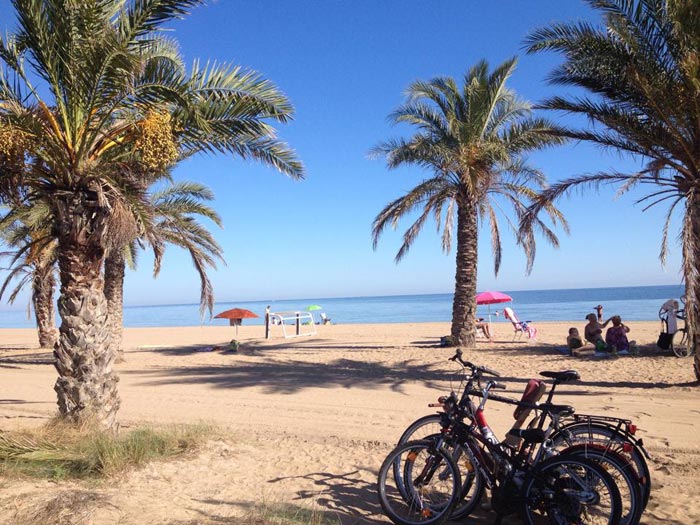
593 333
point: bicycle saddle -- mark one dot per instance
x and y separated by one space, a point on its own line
563 377
558 410
529 435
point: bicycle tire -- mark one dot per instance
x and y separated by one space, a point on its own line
567 490
473 486
601 433
624 475
432 480
680 349
423 426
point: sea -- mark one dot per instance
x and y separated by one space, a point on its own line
638 303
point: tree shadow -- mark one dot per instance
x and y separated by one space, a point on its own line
180 350
290 375
355 500
578 388
262 346
293 376
348 495
37 358
19 402
17 346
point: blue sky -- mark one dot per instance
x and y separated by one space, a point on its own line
345 66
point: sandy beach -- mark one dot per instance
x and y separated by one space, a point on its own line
308 421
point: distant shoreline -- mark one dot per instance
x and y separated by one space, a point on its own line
390 296
634 303
396 296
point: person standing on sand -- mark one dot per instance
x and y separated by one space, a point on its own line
599 311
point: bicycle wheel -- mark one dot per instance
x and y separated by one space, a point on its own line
429 427
623 474
681 349
570 490
422 427
605 436
430 482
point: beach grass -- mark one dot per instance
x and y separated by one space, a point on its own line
60 451
271 514
279 514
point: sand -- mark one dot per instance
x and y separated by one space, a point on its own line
308 421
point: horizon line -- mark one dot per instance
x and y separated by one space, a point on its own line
304 299
268 300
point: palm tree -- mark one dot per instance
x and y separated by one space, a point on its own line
175 209
113 106
32 261
474 139
643 75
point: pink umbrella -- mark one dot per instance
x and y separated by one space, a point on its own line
490 298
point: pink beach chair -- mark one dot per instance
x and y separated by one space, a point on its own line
519 327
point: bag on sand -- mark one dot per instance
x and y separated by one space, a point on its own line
665 340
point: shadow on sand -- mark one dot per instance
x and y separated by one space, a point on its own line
291 376
36 358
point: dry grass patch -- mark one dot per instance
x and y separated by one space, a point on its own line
277 514
280 514
69 507
60 451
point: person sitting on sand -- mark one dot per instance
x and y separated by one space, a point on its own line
484 327
616 336
574 341
593 332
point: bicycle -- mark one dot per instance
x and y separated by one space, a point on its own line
615 463
566 488
609 433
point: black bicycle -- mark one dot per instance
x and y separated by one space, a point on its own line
564 488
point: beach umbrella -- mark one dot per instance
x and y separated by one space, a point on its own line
492 298
489 298
236 316
314 307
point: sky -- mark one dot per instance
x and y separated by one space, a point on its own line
345 66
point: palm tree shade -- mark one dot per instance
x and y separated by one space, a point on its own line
95 103
473 139
640 73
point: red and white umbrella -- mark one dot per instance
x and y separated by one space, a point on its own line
490 298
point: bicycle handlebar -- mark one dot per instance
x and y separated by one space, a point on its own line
474 368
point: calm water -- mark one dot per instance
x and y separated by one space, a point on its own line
633 304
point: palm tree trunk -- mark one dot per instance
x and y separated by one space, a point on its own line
691 257
43 286
114 293
87 385
464 302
